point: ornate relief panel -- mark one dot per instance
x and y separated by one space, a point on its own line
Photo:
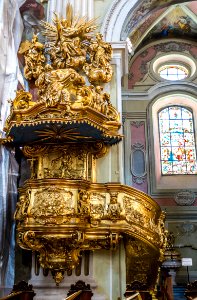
138 155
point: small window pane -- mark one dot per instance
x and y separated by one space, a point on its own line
164 115
175 112
164 126
177 142
176 126
186 114
173 72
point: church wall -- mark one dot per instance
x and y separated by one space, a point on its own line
142 89
141 76
110 272
100 9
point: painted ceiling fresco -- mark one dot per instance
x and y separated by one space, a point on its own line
178 21
32 12
142 11
139 32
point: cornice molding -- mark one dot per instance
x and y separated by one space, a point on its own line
137 115
160 89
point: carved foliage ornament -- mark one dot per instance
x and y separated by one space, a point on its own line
51 203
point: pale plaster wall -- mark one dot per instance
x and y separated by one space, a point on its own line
100 9
110 271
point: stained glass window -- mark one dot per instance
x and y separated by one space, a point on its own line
177 142
173 72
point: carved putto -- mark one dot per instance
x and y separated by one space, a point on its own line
34 58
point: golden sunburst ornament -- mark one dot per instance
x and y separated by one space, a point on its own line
55 134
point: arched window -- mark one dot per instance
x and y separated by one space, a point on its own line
177 141
173 72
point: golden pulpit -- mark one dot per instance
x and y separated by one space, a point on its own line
62 209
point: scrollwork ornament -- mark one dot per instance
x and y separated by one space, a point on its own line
23 100
22 207
139 179
137 124
99 149
4 141
34 151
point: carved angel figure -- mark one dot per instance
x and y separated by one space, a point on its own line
68 53
100 51
99 69
67 39
43 81
34 58
83 203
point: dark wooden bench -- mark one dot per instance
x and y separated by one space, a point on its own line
21 291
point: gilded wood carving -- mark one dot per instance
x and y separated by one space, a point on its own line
62 210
